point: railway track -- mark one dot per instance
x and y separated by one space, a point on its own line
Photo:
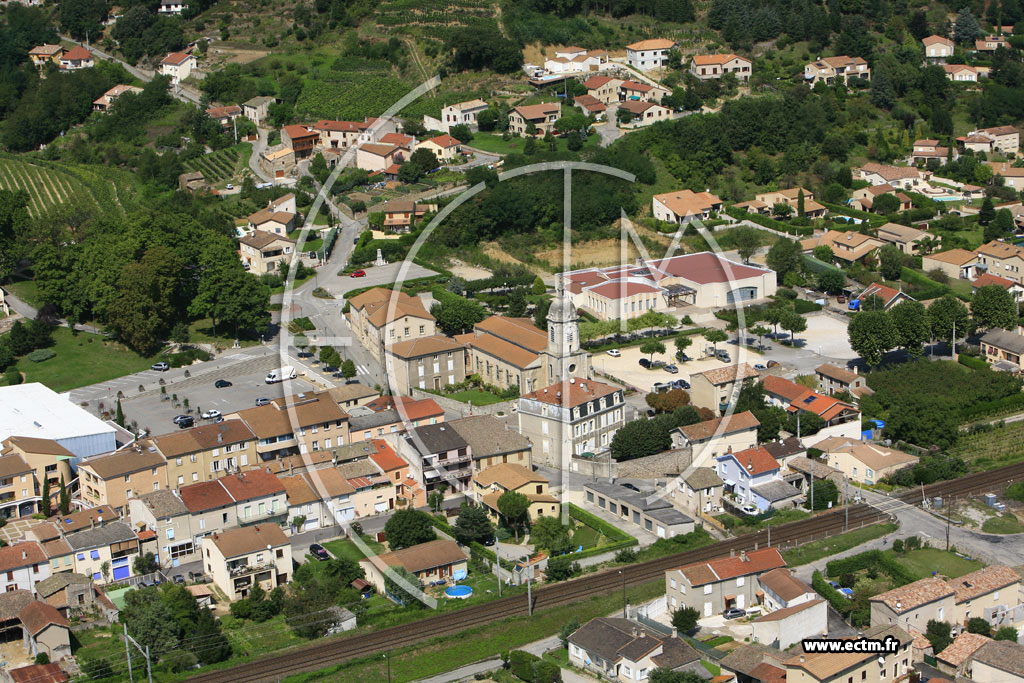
317 656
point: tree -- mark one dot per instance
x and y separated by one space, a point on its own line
1007 633
398 590
462 133
871 335
44 501
668 401
994 306
715 336
794 323
549 533
886 204
682 342
785 256
979 625
538 286
119 415
513 507
760 331
945 314
831 281
408 528
517 303
965 31
825 492
987 212
800 203
572 121
348 369
105 571
472 525
435 500
747 242
561 568
911 325
1001 226
651 347
145 564
883 95
824 253
782 210
891 262
65 497
567 630
455 314
938 634
685 619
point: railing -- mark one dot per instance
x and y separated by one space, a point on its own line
241 570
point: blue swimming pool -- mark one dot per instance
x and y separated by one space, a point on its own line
458 592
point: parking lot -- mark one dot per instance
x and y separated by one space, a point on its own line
627 367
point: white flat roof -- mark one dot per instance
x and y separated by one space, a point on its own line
36 410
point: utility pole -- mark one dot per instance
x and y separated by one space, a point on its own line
949 511
529 592
622 572
846 496
128 654
387 657
812 475
149 665
953 356
497 554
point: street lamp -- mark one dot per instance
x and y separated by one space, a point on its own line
622 573
387 657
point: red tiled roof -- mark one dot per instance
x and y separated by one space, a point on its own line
176 58
39 673
205 495
444 141
595 82
713 571
252 484
21 555
386 458
621 289
638 87
38 615
572 392
987 279
706 268
755 460
780 386
77 54
297 132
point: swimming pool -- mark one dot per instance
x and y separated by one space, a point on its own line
458 592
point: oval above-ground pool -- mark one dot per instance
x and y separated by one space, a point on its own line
459 592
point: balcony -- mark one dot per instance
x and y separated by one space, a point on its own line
444 462
244 569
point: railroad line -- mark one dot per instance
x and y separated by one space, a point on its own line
317 656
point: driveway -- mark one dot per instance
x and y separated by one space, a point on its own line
254 158
608 131
481 159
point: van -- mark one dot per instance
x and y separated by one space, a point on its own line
660 387
280 374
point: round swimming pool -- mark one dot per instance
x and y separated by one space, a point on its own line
459 592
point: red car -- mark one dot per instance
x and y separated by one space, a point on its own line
358 273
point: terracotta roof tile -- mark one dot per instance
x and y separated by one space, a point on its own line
737 422
248 539
913 595
713 571
729 373
983 581
38 615
572 392
754 460
965 645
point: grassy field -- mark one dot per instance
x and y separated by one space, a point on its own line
27 291
345 549
1007 523
201 332
816 550
924 561
479 398
586 536
489 142
82 360
995 448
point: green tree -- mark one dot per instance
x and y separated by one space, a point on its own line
993 306
886 204
965 31
831 281
685 619
945 314
567 630
44 501
987 213
472 525
747 242
550 534
348 368
318 168
229 296
782 210
938 634
513 507
651 347
538 285
455 314
760 331
911 325
871 335
682 342
406 596
572 121
561 568
517 303
145 564
435 500
65 497
979 625
1007 633
785 256
800 203
1001 226
825 492
794 323
408 528
119 415
823 252
891 262
715 336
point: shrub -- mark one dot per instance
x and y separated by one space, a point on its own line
834 597
179 660
520 663
973 363
13 376
39 355
803 306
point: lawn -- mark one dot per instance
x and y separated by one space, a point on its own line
201 332
924 561
81 360
586 536
816 550
489 142
1007 523
478 397
740 526
27 291
249 638
345 549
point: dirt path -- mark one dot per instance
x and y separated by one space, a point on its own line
501 23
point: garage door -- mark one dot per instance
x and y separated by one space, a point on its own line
346 513
311 524
380 507
122 572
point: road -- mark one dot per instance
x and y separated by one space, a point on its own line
482 159
30 312
254 158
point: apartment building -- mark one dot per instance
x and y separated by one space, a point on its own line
860 667
19 491
238 559
22 565
204 453
490 484
570 418
113 479
425 363
716 585
1001 258
380 317
459 114
177 65
251 497
438 455
301 423
649 54
711 438
492 441
50 460
113 544
164 513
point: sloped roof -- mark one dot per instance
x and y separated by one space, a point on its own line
723 568
913 595
652 44
782 582
248 539
728 373
422 557
754 461
488 436
424 346
983 581
204 437
730 424
965 645
538 111
508 476
176 58
377 305
780 614
37 615
22 554
123 462
76 54
572 392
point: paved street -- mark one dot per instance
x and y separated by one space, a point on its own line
254 158
482 159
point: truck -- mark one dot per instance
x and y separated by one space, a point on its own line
280 374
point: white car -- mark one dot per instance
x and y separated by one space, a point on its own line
615 353
211 414
230 186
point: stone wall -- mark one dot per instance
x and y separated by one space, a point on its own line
501 409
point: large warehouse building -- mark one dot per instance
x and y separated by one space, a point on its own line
35 410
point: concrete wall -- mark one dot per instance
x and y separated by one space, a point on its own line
463 409
807 623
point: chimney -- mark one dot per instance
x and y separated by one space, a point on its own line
743 556
643 634
801 659
220 438
92 523
675 632
257 528
732 553
24 555
634 631
291 467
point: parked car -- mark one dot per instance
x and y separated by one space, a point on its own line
657 364
659 387
682 357
680 384
489 541
723 356
221 383
644 363
734 613
229 186
210 414
759 366
330 368
189 421
181 418
358 273
615 353
262 401
160 367
178 578
840 299
749 509
319 552
671 369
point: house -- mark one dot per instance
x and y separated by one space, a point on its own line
912 606
992 593
244 499
380 317
172 7
113 544
906 238
849 246
864 198
1003 347
957 264
225 116
720 584
438 455
205 452
864 463
706 67
76 58
490 484
832 69
103 102
899 177
649 54
378 157
301 423
604 89
700 491
925 150
572 417
306 502
841 418
712 437
491 442
47 459
177 65
238 559
754 477
715 388
782 628
867 667
998 662
258 108
272 221
1015 289
164 513
541 116
41 55
87 518
1012 176
645 113
265 252
459 114
425 363
19 488
590 105
429 562
888 296
785 450
302 140
22 565
406 143
399 214
35 673
791 198
956 658
782 590
641 507
113 479
991 44
574 59
277 159
70 593
1001 258
351 395
414 412
1005 139
833 380
754 662
633 91
961 73
367 424
937 49
622 650
685 206
337 135
45 631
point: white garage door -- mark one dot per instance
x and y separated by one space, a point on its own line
380 507
346 514
311 524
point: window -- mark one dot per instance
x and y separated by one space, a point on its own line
248 511
259 557
177 461
181 479
707 589
263 508
279 553
739 581
672 583
192 458
195 476
94 554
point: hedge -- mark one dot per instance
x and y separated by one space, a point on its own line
930 288
804 306
834 597
971 362
766 222
596 522
39 355
533 669
1011 402
884 562
841 209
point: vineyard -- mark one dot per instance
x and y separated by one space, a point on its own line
350 96
435 18
221 165
994 448
46 185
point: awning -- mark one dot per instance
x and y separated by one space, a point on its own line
730 597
